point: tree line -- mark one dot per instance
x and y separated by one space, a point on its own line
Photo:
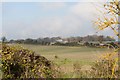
48 41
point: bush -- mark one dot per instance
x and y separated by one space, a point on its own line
86 44
106 67
18 62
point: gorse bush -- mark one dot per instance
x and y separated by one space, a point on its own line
18 62
107 65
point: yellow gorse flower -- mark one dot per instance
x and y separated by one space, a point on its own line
112 22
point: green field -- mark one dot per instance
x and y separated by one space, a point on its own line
67 56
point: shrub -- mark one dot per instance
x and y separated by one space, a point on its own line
106 66
18 62
56 56
86 44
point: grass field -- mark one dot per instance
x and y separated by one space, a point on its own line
66 56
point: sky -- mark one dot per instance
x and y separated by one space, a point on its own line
21 20
55 0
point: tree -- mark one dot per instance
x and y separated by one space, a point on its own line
109 19
101 38
108 38
28 41
4 39
11 41
86 44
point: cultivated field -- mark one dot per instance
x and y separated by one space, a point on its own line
66 56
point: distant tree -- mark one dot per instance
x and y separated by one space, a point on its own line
86 44
47 39
101 38
108 38
11 41
4 39
68 39
28 41
35 41
19 41
79 39
91 44
86 38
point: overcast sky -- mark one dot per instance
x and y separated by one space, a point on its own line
22 20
